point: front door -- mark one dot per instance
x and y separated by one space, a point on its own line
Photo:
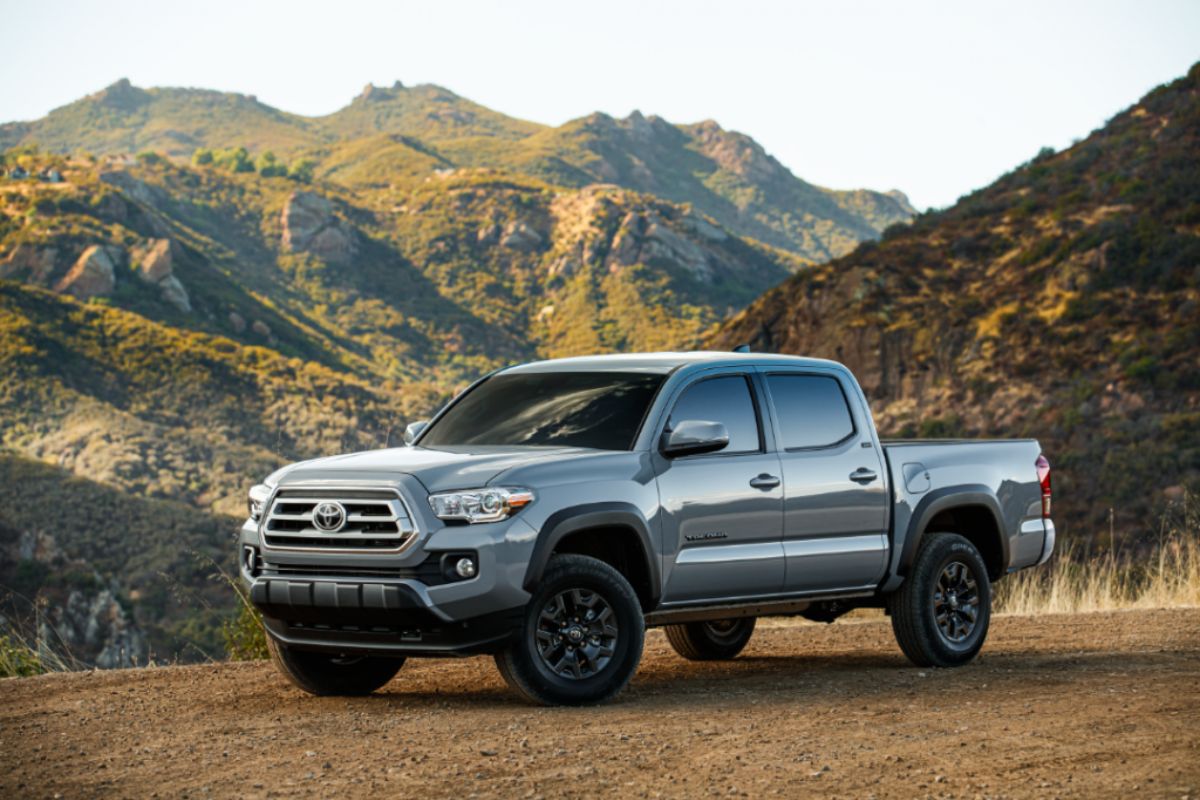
722 512
835 500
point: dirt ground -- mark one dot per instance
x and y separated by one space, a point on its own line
1061 706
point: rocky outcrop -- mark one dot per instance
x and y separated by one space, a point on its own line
94 623
643 237
93 274
29 263
156 266
311 226
84 625
520 236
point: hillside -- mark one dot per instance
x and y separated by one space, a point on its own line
1060 302
392 133
171 333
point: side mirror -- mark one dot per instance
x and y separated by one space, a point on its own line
692 437
414 430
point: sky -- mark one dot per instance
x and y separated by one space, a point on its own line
933 98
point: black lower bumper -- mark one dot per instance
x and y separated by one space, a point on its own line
370 618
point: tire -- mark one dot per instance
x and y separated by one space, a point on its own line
717 640
931 613
554 659
323 675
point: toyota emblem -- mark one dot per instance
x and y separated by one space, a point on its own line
329 516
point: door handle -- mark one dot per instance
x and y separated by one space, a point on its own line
863 475
764 481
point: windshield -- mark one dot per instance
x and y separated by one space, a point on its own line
601 410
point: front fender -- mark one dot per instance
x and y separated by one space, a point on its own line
562 523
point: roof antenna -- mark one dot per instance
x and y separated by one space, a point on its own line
742 348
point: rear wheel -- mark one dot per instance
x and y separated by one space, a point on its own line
325 674
715 640
580 640
940 615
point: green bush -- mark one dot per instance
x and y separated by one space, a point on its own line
18 660
245 639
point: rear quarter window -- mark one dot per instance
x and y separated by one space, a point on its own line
811 409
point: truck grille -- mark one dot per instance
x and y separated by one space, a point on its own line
360 520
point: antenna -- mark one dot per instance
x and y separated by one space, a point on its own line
742 348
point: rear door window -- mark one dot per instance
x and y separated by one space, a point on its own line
811 409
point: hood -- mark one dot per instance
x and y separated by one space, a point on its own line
438 470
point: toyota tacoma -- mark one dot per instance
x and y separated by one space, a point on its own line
552 511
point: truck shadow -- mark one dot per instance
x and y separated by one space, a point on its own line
787 678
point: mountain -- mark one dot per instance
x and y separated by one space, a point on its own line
402 132
1062 302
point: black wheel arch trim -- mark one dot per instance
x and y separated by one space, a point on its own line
946 499
567 521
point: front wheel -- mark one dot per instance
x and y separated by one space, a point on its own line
716 640
323 674
940 615
580 640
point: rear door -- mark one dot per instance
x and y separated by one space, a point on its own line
722 512
835 501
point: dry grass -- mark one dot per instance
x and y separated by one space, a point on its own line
1161 574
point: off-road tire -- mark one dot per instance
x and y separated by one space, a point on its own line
323 674
912 607
528 672
717 640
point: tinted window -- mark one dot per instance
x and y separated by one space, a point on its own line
724 400
812 410
602 410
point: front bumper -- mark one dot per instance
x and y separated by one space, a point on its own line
396 603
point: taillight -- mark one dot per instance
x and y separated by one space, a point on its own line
1043 473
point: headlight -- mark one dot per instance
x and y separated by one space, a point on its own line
258 500
480 505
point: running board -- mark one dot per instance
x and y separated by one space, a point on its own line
762 608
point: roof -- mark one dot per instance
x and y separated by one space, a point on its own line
664 362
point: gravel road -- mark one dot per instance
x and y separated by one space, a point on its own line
1091 705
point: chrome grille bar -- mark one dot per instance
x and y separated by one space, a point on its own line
376 520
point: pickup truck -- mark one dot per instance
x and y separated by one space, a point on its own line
552 511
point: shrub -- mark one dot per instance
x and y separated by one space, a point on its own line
302 170
244 636
18 660
270 167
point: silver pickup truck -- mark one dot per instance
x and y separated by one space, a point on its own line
554 510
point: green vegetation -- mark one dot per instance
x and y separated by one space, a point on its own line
18 660
245 638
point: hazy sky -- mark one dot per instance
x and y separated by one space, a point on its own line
934 98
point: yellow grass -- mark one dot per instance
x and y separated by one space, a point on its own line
1158 574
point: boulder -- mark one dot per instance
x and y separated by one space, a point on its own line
156 260
261 328
237 322
519 236
93 275
311 226
29 263
156 266
174 293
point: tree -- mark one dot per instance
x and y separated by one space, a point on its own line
302 170
202 156
271 167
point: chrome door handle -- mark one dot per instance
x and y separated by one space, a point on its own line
764 482
863 475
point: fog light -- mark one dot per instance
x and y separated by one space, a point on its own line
465 567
